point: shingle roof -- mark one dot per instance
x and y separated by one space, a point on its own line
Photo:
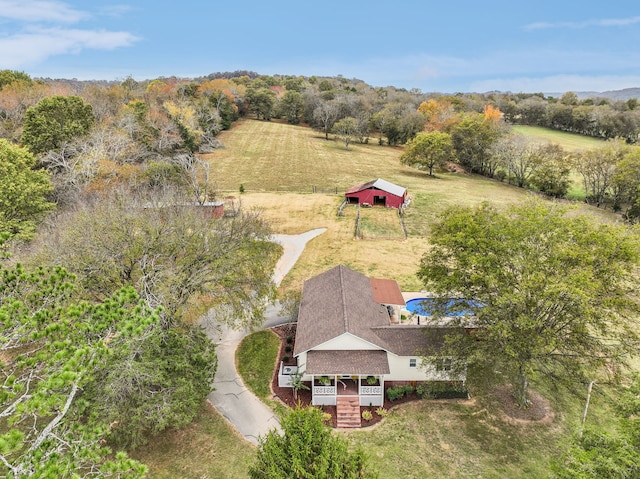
335 302
380 184
413 340
341 301
347 362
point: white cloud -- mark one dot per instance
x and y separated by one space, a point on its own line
29 48
604 22
40 11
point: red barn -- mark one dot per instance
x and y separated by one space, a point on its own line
377 193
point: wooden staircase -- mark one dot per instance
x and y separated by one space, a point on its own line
348 411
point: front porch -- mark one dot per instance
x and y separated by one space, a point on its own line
368 389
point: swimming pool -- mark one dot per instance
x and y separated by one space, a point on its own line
421 306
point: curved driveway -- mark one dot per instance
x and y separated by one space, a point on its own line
246 413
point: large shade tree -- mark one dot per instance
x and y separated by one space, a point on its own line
550 290
428 150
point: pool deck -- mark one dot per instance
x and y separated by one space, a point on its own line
414 294
413 319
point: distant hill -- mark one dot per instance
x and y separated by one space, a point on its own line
624 94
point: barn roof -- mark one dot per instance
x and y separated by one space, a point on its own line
380 184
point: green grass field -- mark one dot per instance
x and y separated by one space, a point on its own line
278 165
568 141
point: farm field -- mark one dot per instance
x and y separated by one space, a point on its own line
278 165
568 141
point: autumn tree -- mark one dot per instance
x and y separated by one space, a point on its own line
492 113
23 191
439 115
307 448
551 291
428 150
55 120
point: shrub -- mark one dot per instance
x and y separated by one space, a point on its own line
371 380
287 348
382 412
397 392
324 380
285 359
441 390
289 339
367 415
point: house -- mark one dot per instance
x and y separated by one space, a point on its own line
349 343
377 193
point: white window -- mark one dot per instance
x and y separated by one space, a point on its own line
413 362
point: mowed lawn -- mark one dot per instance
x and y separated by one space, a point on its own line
568 141
279 164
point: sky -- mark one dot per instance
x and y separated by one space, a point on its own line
444 46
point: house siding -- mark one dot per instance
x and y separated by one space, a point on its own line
401 371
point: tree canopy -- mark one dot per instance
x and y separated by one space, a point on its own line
550 289
55 120
51 346
23 191
428 150
308 449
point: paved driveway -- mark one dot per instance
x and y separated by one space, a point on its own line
246 413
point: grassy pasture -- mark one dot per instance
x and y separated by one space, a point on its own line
568 141
278 165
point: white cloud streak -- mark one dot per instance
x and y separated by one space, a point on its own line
29 48
40 11
605 22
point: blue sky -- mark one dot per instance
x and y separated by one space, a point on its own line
444 46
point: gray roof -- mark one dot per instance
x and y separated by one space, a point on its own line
380 184
341 301
347 362
413 340
335 302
